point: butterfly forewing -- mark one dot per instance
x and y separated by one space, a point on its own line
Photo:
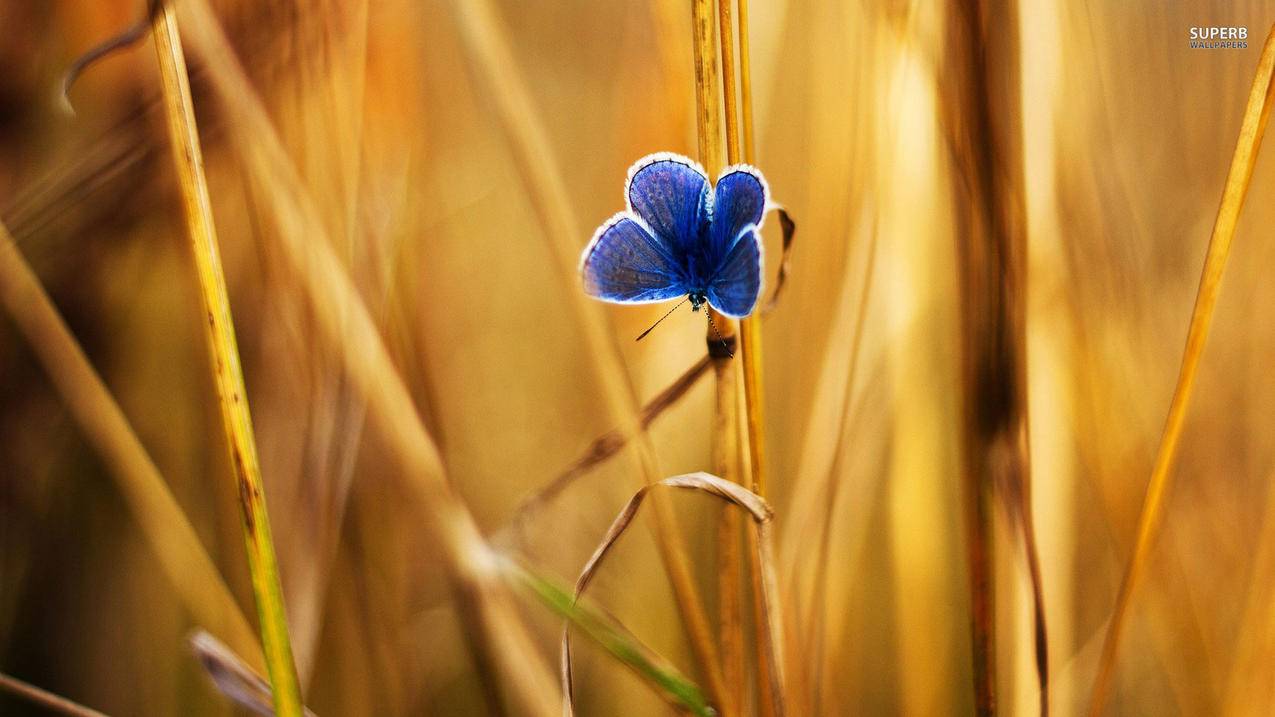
670 193
626 264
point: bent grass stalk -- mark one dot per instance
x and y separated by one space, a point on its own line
1252 129
224 355
729 491
170 535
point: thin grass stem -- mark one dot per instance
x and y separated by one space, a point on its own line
45 699
1238 178
224 356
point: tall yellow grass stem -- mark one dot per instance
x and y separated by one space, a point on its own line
1252 128
769 668
745 84
227 372
724 436
346 323
170 535
750 327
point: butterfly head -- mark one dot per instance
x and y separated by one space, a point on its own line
697 300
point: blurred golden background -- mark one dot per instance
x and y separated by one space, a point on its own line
405 129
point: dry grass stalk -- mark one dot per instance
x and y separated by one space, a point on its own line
1252 129
181 556
985 141
535 162
765 615
46 699
729 491
815 619
345 322
224 355
607 445
720 339
232 677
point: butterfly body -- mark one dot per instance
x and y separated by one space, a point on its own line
681 237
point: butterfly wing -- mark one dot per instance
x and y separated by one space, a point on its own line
735 249
670 193
737 282
626 264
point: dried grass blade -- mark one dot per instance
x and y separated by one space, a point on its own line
667 681
787 228
1252 129
732 493
224 358
46 699
232 677
181 556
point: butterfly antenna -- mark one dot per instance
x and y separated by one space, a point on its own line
709 313
657 323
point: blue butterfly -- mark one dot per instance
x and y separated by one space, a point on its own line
679 238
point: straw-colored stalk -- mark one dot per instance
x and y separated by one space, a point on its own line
44 698
720 338
742 145
1252 128
605 446
992 272
769 668
535 162
232 397
165 527
345 322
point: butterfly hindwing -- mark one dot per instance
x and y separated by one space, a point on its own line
737 283
738 201
626 264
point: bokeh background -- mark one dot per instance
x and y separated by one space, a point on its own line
393 124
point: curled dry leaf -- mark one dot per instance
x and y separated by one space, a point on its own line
732 493
788 228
